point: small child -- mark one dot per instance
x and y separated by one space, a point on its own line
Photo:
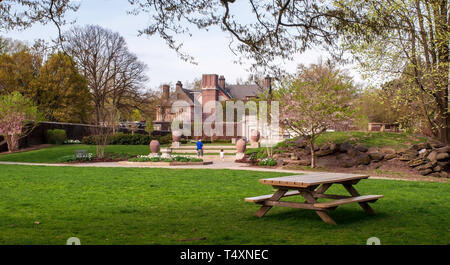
222 155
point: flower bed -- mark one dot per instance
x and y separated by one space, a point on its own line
160 161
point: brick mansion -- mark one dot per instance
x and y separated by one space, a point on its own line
213 88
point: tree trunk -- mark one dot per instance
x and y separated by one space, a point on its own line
444 131
12 142
313 161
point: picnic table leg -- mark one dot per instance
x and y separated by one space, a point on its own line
364 205
275 197
323 188
322 214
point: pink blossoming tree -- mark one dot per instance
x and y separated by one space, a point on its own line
18 116
316 99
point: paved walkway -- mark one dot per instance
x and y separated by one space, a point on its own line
215 165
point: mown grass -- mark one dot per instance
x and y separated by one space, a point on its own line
54 153
165 206
371 139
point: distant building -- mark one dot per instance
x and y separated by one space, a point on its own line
214 88
383 127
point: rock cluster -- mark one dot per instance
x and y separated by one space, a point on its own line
432 158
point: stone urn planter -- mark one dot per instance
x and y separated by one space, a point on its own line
255 136
240 148
176 136
154 146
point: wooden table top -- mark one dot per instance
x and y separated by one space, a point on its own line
311 179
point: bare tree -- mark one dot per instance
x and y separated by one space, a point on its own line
21 14
413 33
114 74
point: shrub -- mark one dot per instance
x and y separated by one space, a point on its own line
166 139
268 162
90 140
128 139
56 136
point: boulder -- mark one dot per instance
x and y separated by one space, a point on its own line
390 156
345 147
376 165
444 174
361 148
437 169
334 147
280 162
324 152
295 157
421 146
425 172
445 149
388 150
432 156
349 163
416 162
325 147
304 162
376 156
373 150
436 144
445 165
408 155
363 159
425 166
442 156
301 142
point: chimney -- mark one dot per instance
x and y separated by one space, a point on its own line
166 92
178 86
209 81
222 82
268 82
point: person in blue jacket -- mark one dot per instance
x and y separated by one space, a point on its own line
200 148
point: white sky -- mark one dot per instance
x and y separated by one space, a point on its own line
210 49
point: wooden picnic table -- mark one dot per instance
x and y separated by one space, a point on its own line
311 187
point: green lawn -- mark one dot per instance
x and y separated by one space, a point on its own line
51 154
164 206
371 139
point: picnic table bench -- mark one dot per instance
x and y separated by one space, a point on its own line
312 186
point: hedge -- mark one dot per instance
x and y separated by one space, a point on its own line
56 136
128 139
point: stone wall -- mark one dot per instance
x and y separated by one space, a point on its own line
432 158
